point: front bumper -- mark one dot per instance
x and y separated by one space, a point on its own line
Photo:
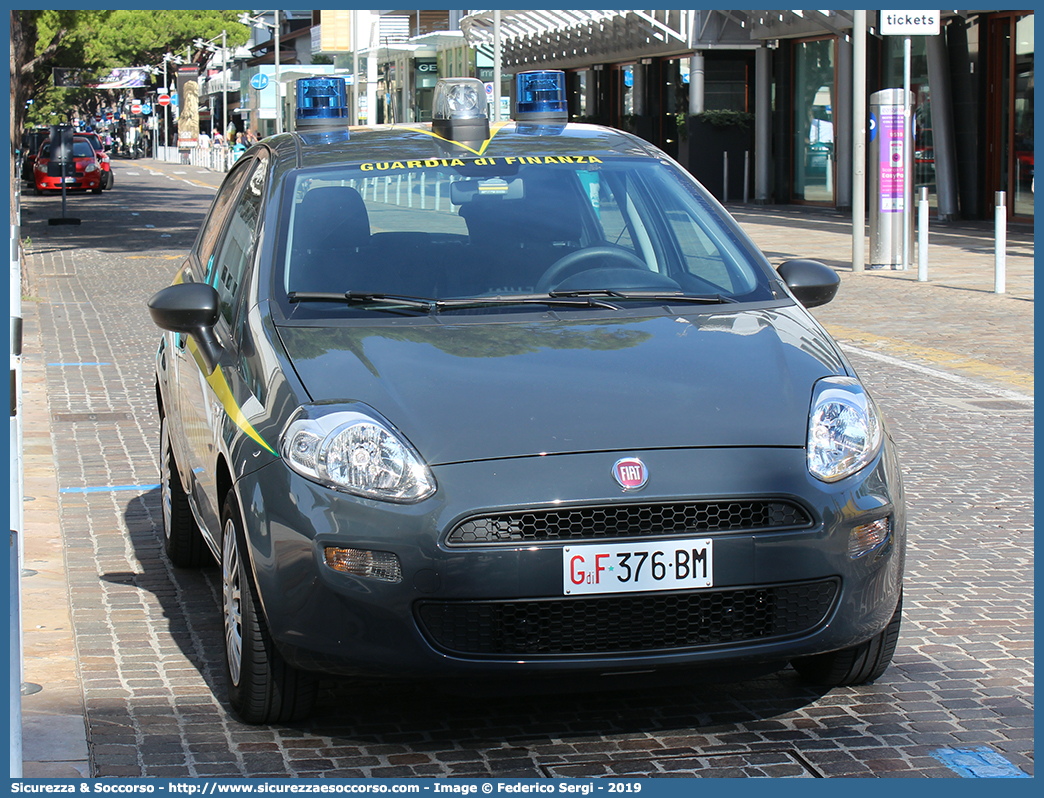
84 182
499 607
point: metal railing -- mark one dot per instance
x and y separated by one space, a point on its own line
217 159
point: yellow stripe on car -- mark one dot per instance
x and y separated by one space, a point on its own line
218 383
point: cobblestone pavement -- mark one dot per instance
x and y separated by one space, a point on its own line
129 647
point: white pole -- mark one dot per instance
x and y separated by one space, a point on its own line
859 145
166 111
16 496
355 68
496 65
278 85
224 85
907 155
1000 241
725 178
746 176
922 237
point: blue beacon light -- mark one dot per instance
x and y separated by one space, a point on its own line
322 104
540 97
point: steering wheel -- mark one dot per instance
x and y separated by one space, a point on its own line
586 259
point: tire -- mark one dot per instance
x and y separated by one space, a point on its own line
262 687
182 540
859 664
108 180
36 189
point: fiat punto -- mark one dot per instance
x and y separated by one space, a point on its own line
466 399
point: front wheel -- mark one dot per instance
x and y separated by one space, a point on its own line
262 687
858 664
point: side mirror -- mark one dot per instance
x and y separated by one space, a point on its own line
810 281
190 308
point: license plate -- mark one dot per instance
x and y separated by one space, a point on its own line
70 180
638 566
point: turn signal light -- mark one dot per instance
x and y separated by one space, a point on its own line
381 565
867 537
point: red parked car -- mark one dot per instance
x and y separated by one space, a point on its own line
103 157
85 174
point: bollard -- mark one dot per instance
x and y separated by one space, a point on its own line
725 179
922 237
746 176
1000 217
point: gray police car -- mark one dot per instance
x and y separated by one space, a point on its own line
458 399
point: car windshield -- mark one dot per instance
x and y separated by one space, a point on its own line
510 228
81 149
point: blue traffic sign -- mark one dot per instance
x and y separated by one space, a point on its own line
259 81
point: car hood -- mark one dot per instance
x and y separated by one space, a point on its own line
469 390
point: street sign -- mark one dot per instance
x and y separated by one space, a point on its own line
259 81
910 23
146 108
163 99
135 108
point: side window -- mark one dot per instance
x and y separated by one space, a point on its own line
237 248
623 213
702 258
609 205
216 218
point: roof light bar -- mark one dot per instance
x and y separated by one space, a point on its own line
540 96
458 110
321 103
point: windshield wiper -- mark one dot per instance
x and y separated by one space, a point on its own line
656 296
361 297
526 299
390 301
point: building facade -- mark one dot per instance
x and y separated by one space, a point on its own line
756 104
770 93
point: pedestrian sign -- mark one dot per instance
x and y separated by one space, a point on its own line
259 81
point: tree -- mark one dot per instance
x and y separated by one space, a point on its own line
102 40
96 40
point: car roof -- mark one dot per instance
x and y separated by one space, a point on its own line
418 142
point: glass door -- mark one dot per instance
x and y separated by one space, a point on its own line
1010 128
622 110
813 122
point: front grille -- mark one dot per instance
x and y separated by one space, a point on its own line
628 520
619 624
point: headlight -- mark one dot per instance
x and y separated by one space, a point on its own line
844 432
91 167
356 453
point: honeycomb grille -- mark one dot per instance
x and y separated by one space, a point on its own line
631 623
628 520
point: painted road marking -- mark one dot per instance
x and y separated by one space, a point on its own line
109 489
861 341
978 763
942 375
